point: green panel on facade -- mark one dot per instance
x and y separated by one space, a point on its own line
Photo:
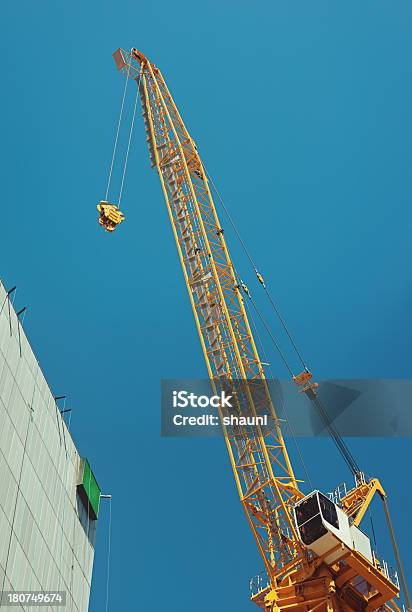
89 490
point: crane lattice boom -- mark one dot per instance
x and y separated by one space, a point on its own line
300 579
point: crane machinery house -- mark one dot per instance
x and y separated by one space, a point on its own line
325 529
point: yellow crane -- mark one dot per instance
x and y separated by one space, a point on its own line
315 555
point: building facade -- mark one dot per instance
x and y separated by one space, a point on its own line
49 499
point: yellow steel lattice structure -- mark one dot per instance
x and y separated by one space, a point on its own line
261 466
263 472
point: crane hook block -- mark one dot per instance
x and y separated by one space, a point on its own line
305 384
109 215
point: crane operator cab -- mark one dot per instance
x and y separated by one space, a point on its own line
110 216
325 529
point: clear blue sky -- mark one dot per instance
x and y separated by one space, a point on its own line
302 112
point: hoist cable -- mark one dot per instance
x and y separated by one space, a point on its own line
272 337
298 353
117 134
248 255
274 340
128 144
335 435
337 438
240 285
281 401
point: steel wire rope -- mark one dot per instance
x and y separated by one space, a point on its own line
337 438
129 141
248 255
287 420
117 133
340 443
274 340
272 336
